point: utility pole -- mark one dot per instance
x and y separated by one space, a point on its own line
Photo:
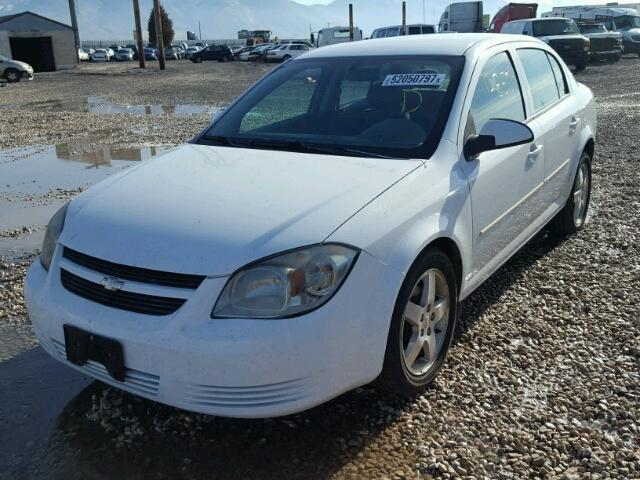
159 41
404 18
136 15
74 26
199 31
351 22
424 18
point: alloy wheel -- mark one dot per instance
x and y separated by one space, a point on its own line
424 322
581 195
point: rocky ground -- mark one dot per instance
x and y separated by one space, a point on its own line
542 380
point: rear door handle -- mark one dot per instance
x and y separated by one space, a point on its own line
573 124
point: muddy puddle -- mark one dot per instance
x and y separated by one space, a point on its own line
36 181
97 104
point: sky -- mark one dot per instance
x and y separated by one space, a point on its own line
221 19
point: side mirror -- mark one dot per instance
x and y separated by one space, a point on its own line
497 133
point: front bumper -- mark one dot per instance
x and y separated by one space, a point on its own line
606 54
230 367
27 75
631 46
573 58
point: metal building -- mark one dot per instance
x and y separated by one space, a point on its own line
45 44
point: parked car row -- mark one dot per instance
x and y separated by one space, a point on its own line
268 52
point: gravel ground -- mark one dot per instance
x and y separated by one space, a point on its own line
542 380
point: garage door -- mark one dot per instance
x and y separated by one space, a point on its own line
37 52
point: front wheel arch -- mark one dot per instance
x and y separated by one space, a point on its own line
590 147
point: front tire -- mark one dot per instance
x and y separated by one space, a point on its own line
580 66
422 325
12 75
573 215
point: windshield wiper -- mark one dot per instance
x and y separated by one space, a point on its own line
295 145
312 147
223 140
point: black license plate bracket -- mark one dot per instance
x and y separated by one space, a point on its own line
82 346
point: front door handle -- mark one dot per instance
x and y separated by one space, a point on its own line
535 151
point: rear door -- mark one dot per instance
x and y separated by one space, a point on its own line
554 108
505 184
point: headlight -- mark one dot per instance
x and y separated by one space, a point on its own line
286 285
54 229
587 44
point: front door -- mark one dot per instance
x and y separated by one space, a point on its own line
506 184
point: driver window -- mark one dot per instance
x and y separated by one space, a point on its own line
497 94
289 100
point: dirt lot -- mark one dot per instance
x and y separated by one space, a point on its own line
543 377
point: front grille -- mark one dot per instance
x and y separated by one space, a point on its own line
134 302
135 381
137 274
567 46
602 44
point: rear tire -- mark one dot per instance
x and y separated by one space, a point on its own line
573 215
12 75
286 57
422 326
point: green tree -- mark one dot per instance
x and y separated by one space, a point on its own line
167 28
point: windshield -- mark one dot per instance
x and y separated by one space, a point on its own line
593 29
554 27
393 106
627 21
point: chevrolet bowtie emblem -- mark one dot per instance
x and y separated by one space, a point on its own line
112 284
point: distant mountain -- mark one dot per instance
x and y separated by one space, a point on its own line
113 19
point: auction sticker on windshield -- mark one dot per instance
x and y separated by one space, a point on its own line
414 80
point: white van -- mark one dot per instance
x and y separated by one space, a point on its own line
463 17
396 30
333 35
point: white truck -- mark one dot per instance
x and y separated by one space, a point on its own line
332 35
461 17
614 18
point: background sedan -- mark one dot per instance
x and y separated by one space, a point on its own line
286 51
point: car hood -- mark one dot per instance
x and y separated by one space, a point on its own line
20 64
210 210
562 37
615 35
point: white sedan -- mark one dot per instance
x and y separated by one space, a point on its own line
321 232
101 55
286 51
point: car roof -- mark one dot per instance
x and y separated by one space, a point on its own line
433 44
553 19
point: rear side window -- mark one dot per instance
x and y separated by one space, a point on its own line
561 80
414 31
497 94
542 81
428 30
